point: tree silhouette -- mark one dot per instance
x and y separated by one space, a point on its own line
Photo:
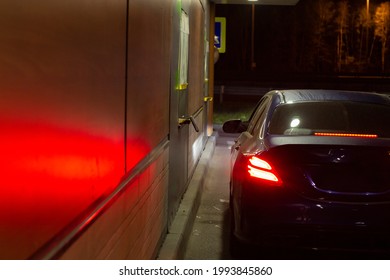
382 22
313 37
342 29
363 26
323 29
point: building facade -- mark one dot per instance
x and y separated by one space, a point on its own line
97 144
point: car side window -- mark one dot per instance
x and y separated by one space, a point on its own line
257 115
259 125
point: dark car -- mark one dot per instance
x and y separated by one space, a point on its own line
311 169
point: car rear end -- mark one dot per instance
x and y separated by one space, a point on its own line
318 179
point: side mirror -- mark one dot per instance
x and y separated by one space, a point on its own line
234 126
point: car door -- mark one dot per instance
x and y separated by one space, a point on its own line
254 125
241 145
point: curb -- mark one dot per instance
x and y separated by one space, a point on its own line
176 240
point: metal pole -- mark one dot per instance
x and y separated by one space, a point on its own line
210 106
253 63
367 27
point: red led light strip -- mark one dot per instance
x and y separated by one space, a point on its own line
346 135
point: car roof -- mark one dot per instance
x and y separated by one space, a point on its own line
303 95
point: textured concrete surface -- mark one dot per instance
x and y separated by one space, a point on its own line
176 239
209 238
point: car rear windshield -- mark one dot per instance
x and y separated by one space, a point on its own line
307 118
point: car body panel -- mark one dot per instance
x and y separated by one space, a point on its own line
331 187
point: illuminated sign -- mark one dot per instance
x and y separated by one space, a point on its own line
220 34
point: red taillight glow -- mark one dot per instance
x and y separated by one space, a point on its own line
261 169
255 161
346 135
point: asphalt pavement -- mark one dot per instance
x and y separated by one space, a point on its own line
209 238
211 177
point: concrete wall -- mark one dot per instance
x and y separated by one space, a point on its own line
186 101
85 119
133 226
62 114
196 81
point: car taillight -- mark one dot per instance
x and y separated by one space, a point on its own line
261 169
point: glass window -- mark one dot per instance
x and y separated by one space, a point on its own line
184 49
254 119
342 116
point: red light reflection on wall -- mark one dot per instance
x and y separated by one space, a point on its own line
137 150
49 175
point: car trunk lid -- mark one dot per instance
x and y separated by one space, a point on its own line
335 172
